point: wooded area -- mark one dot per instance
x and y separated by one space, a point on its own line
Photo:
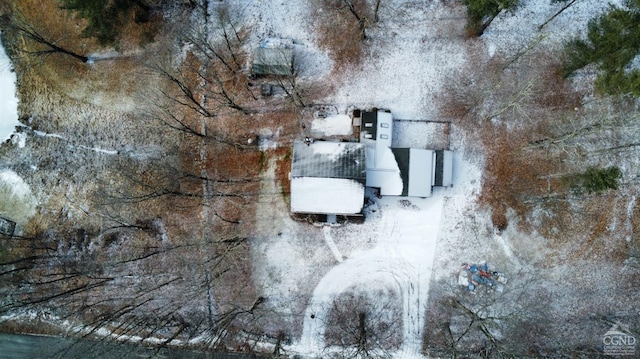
161 173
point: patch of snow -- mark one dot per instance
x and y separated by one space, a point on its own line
44 134
99 150
511 29
385 160
400 261
628 223
337 125
95 149
383 171
18 186
410 61
420 134
267 140
19 139
8 100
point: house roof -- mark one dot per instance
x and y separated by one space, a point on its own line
328 177
326 195
414 169
420 172
324 159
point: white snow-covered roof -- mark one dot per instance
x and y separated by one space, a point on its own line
336 125
421 172
396 171
384 173
328 177
384 130
326 195
389 182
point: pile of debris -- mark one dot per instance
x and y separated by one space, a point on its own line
473 275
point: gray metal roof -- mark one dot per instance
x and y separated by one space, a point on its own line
329 160
7 227
272 61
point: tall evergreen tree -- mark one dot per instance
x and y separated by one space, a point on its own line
612 43
594 180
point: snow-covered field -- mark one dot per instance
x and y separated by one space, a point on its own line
407 65
8 100
16 201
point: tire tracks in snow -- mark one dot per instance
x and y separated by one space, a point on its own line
402 261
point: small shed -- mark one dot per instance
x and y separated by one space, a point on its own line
7 227
273 57
328 177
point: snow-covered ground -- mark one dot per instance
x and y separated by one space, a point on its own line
400 261
394 249
16 200
513 31
411 54
407 64
8 100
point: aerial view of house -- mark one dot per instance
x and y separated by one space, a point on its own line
354 179
329 177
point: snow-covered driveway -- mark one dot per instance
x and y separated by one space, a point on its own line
401 260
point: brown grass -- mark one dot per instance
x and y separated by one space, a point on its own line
510 176
283 162
553 92
505 105
338 31
111 80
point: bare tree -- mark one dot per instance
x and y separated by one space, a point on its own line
364 14
365 325
568 4
493 322
41 44
210 79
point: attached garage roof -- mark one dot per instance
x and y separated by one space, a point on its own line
416 171
444 168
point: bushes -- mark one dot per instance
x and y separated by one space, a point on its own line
594 180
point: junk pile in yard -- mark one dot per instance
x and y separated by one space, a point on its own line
473 276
